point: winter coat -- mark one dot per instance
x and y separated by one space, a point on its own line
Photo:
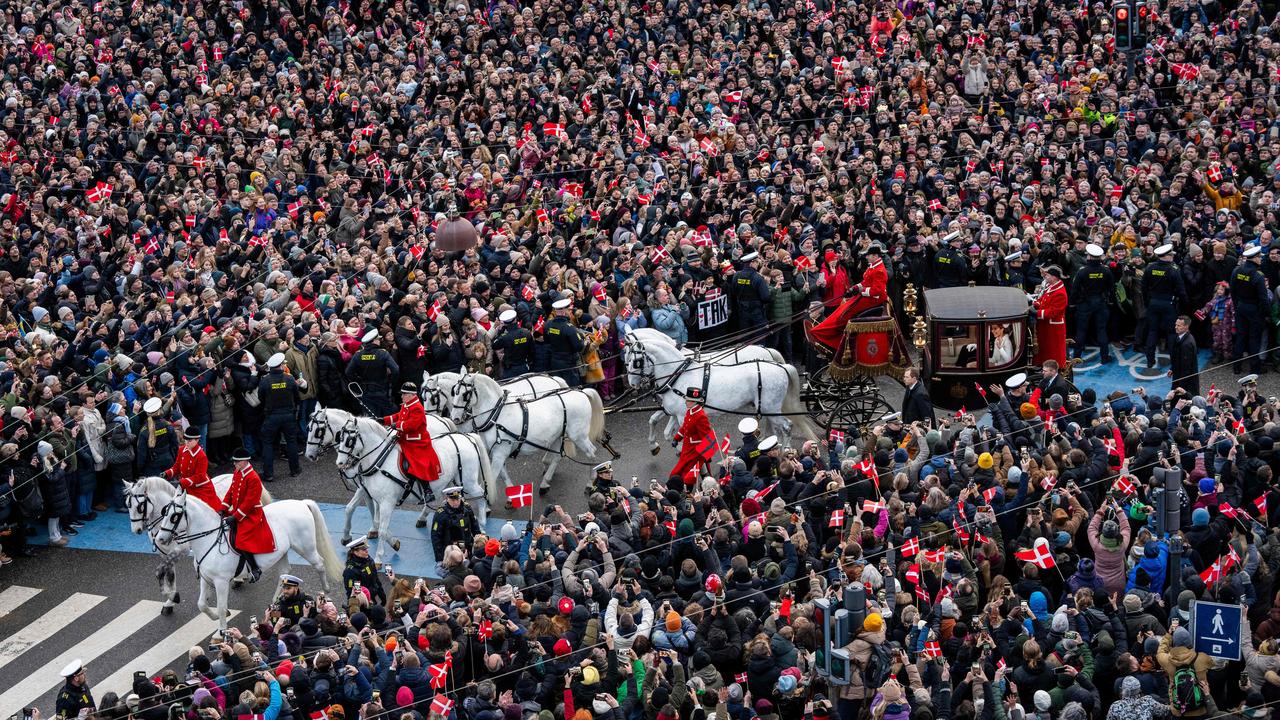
120 445
303 364
681 640
249 417
330 385
221 408
667 319
56 493
1171 658
194 394
94 431
1109 565
859 655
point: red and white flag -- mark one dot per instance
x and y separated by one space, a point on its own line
837 519
1229 511
528 293
726 445
520 495
734 96
872 506
932 649
835 436
922 593
935 204
912 575
1039 554
740 678
765 492
1123 484
542 215
295 207
1261 504
868 468
709 146
659 254
539 324
441 705
989 493
484 630
555 130
910 548
433 312
961 533
189 221
439 675
1185 71
934 556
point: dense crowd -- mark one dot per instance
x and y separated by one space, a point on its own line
189 189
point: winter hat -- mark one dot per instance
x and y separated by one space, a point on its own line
590 675
1130 687
1043 701
786 684
404 696
199 696
985 462
1206 485
1182 638
1015 475
673 621
1132 603
1059 623
1085 567
562 648
873 623
735 693
508 532
1199 517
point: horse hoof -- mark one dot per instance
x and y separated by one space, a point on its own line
373 534
237 584
543 490
420 524
177 598
166 610
655 450
345 539
395 545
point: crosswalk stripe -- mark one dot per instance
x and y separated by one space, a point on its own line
195 631
46 678
68 611
13 597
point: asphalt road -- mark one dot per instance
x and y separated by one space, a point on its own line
104 605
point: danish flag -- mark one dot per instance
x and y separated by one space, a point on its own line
433 312
837 64
152 246
1117 191
200 162
659 254
441 705
734 96
1124 485
439 675
644 199
910 548
709 146
586 104
961 533
935 204
803 263
1261 504
599 294
528 293
574 189
542 215
872 506
1185 71
922 593
765 492
190 221
932 649
1213 573
1227 510
554 129
989 493
971 165
726 445
95 194
485 630
835 435
868 467
1039 554
641 138
740 678
912 575
539 324
294 207
520 495
1215 173
935 556
837 519
217 54
943 593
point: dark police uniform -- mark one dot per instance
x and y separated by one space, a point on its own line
752 294
1092 288
373 369
1162 286
363 570
72 699
280 399
516 345
451 526
949 268
293 608
565 343
1249 294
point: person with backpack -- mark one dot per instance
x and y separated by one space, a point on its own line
871 660
1188 684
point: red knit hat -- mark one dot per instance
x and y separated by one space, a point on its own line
492 548
562 648
566 605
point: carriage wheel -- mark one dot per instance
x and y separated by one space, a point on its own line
858 411
823 394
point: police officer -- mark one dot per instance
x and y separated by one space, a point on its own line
603 481
293 604
949 265
513 346
750 450
75 695
1249 294
280 397
565 343
1092 288
361 571
453 523
752 294
1162 286
373 370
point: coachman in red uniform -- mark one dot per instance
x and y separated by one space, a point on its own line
869 294
410 423
191 469
250 533
1051 319
697 441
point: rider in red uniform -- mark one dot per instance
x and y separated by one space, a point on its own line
697 440
871 293
250 533
191 469
410 423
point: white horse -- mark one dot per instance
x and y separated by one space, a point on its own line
767 388
547 423
371 456
736 356
437 391
295 525
323 429
145 515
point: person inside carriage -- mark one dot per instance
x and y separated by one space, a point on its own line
869 294
418 456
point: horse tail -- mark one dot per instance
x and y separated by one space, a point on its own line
597 416
324 545
793 407
776 356
488 478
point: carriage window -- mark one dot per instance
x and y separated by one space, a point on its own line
1004 344
958 346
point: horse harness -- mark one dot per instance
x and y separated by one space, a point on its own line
638 364
353 472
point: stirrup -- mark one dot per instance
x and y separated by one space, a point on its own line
428 495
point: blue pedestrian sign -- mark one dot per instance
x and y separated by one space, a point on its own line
1216 629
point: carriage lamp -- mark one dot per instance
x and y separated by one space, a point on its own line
909 299
456 233
919 331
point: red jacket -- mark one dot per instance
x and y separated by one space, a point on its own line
191 468
1051 325
244 504
694 432
875 279
410 423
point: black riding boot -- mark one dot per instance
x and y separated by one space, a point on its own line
248 560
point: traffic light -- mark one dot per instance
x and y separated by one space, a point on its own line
1120 18
1142 22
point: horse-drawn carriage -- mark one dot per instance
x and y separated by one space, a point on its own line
966 336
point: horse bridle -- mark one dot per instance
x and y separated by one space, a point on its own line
319 428
142 503
346 439
431 388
